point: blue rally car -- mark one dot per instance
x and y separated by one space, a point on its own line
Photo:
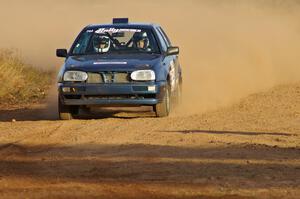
119 64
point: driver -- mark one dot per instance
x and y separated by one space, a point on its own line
141 41
101 43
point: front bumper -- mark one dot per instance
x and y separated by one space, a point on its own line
129 94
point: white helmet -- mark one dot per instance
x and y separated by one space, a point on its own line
101 43
141 37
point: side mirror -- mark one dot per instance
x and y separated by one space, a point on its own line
173 51
61 52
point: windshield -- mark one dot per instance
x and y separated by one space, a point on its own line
115 40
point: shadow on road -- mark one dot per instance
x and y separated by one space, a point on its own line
232 132
248 167
43 112
27 114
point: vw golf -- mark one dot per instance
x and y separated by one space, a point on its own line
119 64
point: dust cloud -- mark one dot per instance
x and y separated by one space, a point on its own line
229 49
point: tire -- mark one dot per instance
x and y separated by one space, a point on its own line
162 109
178 95
66 112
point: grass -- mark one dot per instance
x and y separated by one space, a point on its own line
21 83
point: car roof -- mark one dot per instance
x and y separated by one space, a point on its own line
126 25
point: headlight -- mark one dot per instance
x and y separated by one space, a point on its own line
143 75
75 76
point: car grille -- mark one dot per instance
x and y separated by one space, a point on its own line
108 77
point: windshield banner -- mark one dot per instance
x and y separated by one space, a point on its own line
114 30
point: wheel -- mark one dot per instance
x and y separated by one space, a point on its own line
66 112
178 95
162 109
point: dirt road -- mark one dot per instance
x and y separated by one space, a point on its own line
229 49
247 150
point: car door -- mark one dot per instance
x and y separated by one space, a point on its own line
172 61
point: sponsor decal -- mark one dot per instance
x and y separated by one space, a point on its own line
172 76
110 63
116 30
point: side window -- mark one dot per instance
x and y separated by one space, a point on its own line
165 36
162 39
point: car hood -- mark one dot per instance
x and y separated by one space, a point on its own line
117 62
